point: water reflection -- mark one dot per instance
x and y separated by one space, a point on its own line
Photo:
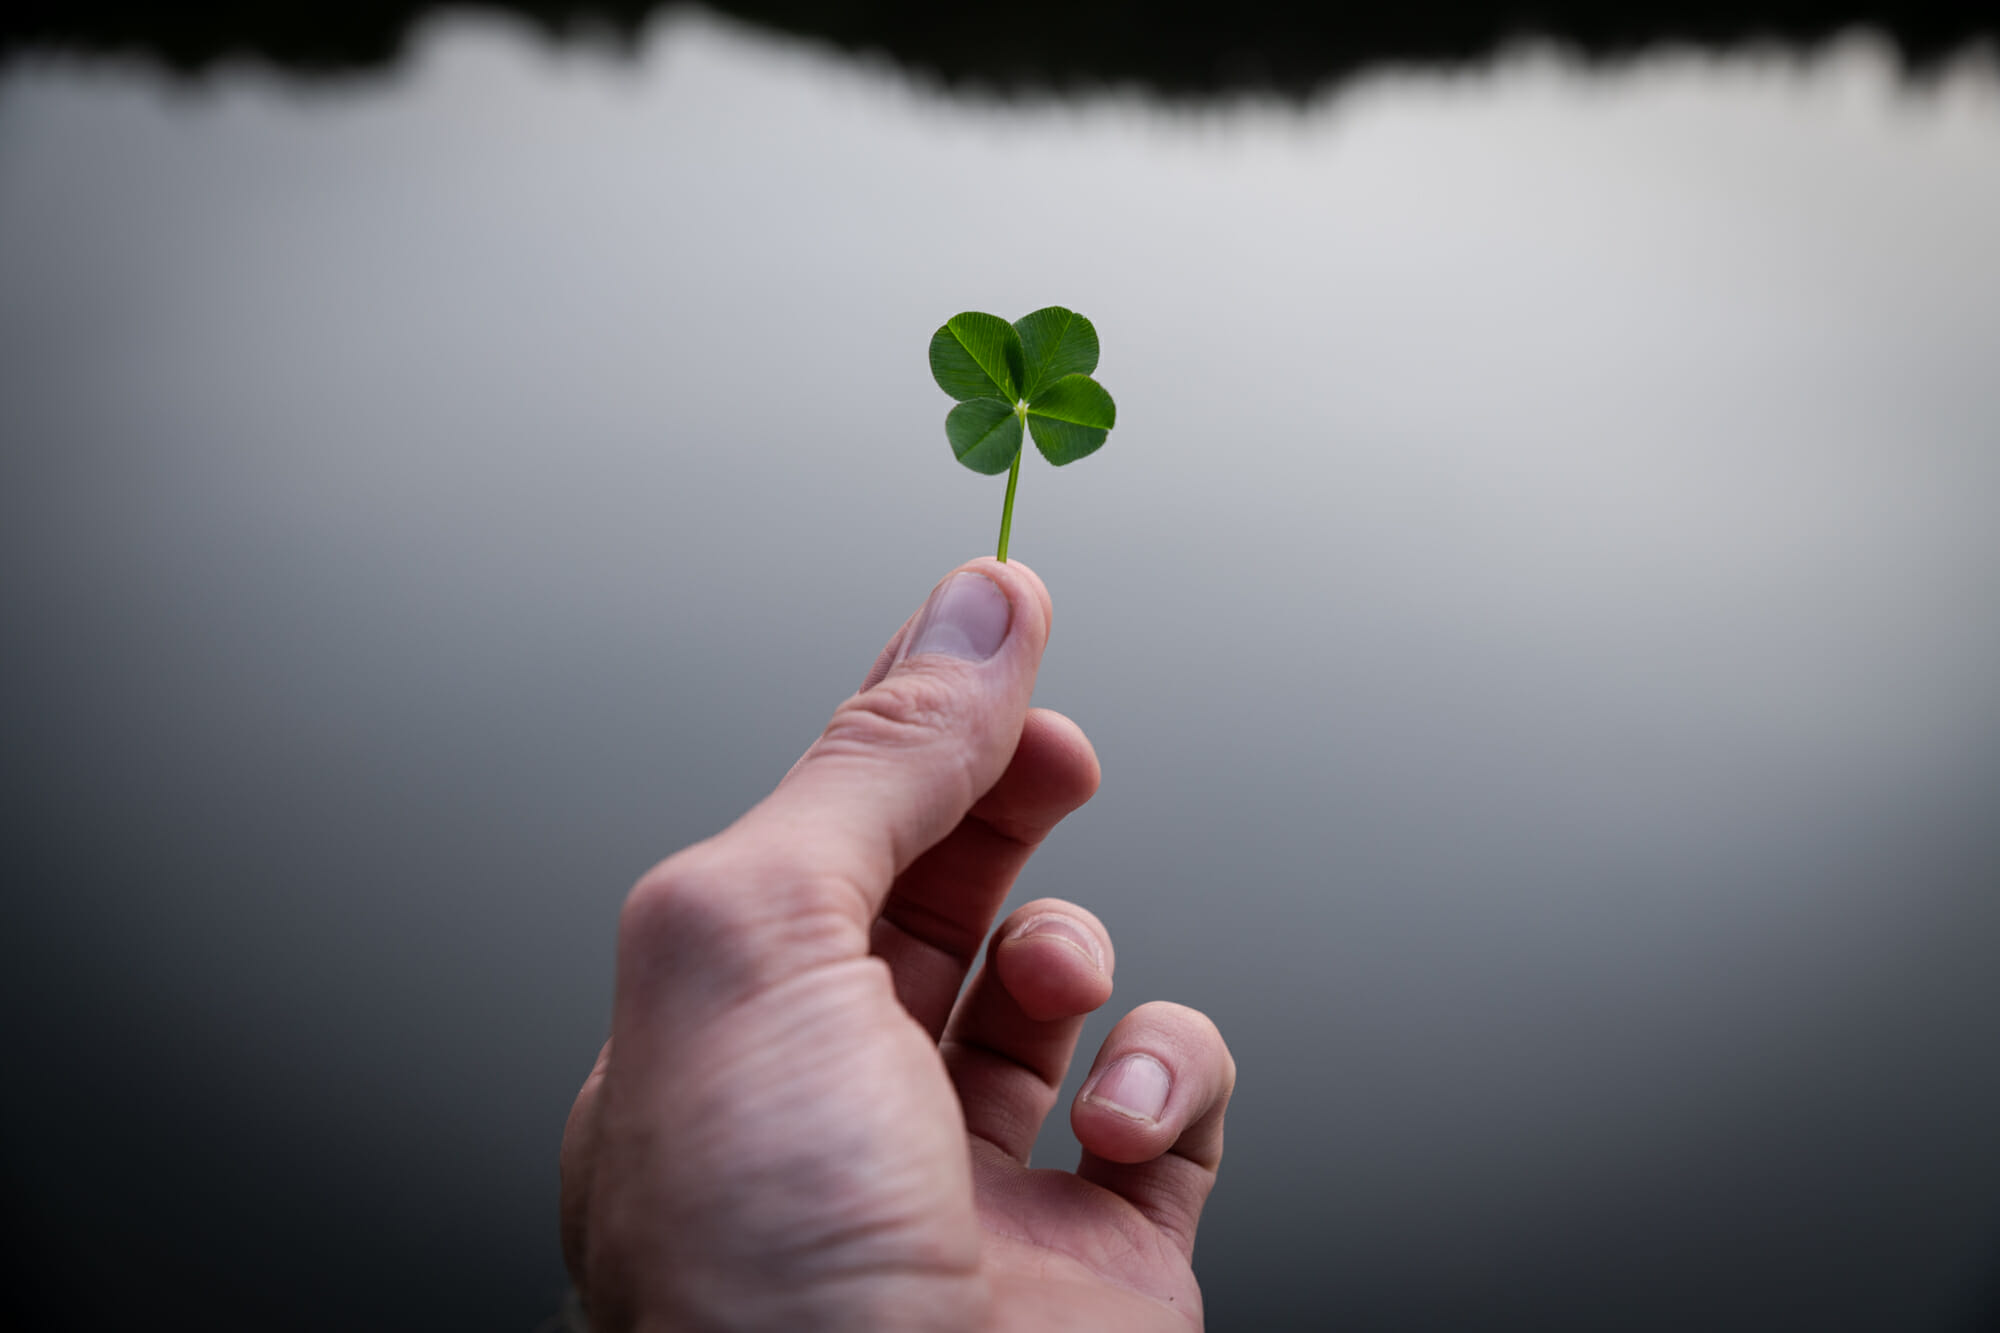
1538 616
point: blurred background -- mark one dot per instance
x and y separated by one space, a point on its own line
1539 614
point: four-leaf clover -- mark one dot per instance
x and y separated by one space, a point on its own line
1032 375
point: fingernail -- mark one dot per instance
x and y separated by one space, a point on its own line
1136 1086
1066 930
966 618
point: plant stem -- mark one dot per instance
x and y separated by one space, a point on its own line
1007 511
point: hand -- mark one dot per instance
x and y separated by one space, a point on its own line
800 1123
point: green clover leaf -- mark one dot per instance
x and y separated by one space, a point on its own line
1032 375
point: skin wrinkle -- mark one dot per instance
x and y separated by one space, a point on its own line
1030 837
913 710
948 938
978 1136
977 1046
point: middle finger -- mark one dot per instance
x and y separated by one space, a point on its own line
939 910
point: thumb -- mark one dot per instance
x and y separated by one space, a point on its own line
902 761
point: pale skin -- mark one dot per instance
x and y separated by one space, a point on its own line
806 1119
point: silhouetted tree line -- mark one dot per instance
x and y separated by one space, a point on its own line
1173 46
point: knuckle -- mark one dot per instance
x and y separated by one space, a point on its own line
679 891
703 912
684 906
912 709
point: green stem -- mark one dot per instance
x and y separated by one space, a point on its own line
1007 511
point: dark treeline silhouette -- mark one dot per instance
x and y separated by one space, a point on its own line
1171 46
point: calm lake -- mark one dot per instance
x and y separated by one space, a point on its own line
1539 615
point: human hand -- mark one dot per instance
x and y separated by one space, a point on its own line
800 1123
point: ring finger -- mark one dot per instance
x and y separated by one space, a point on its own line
1010 1040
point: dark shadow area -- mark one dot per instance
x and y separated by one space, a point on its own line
1173 48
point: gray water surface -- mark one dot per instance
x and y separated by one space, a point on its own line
1539 615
